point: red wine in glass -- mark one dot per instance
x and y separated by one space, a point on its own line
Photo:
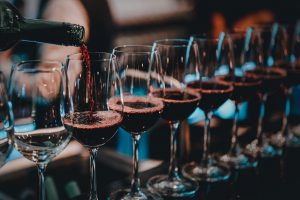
245 87
140 113
272 78
213 93
93 131
178 104
293 74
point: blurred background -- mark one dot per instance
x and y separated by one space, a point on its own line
111 23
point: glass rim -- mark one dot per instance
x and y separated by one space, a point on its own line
109 56
239 34
19 66
118 49
204 39
268 27
203 36
238 29
168 42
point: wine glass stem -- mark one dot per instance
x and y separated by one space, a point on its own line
260 136
93 179
234 142
206 156
173 168
135 183
285 119
42 192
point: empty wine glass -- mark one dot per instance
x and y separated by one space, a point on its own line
213 58
6 123
141 110
36 95
179 103
92 83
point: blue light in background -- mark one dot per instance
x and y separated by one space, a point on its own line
222 70
25 127
238 72
14 155
248 66
243 111
196 116
293 58
226 111
191 77
270 61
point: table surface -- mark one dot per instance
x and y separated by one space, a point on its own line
275 178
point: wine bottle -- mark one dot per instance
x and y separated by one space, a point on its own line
14 27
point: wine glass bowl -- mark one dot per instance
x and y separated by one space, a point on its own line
272 78
39 133
144 119
245 87
178 105
214 93
88 135
141 110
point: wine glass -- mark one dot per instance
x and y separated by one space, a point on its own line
92 83
36 95
293 76
213 60
141 110
6 123
246 87
270 42
179 103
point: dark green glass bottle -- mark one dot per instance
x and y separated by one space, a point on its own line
14 27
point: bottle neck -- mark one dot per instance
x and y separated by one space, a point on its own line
60 33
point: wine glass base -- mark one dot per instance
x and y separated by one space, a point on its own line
278 140
293 141
252 149
265 151
178 187
126 195
239 161
212 173
270 151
